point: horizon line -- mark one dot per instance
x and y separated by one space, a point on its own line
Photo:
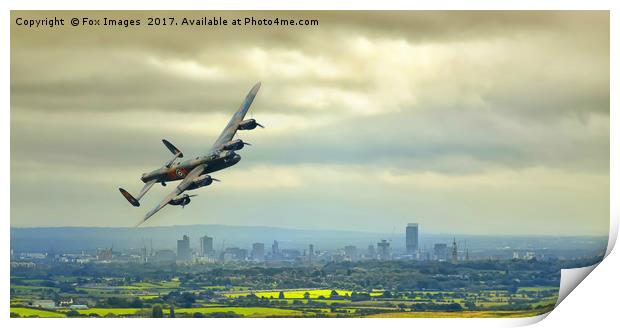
310 229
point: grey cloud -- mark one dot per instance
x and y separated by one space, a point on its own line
111 72
453 141
447 140
459 94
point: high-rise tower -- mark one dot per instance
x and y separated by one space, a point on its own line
411 240
206 246
184 253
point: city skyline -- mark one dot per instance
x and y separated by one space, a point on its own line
385 250
373 120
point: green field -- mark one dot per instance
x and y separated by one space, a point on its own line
27 288
245 311
265 312
463 314
103 311
27 312
537 289
147 297
156 285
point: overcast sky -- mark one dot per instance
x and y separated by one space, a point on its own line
483 123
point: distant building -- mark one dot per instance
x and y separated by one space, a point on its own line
258 251
383 250
290 254
310 253
371 253
65 302
143 256
105 254
424 255
184 253
29 265
165 255
515 255
337 257
206 246
440 251
275 249
411 240
234 254
455 252
350 253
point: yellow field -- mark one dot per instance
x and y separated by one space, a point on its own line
26 312
314 293
376 292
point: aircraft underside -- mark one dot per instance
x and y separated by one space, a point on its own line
194 173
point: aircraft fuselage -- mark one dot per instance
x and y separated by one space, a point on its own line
214 162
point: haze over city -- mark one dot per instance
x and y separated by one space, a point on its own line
464 122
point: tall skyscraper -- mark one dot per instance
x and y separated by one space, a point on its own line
258 251
275 249
383 250
310 253
184 253
143 257
411 234
466 252
206 246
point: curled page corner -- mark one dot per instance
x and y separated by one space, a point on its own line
570 278
613 232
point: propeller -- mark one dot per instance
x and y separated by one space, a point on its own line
214 179
187 196
247 143
262 127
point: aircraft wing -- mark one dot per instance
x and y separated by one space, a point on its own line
233 124
146 188
193 174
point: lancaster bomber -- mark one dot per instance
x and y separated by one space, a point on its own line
194 173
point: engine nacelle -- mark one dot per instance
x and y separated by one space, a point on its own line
201 181
234 145
182 201
250 124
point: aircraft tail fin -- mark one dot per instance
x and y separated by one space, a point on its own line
129 197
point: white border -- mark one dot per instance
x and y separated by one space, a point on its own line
560 316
